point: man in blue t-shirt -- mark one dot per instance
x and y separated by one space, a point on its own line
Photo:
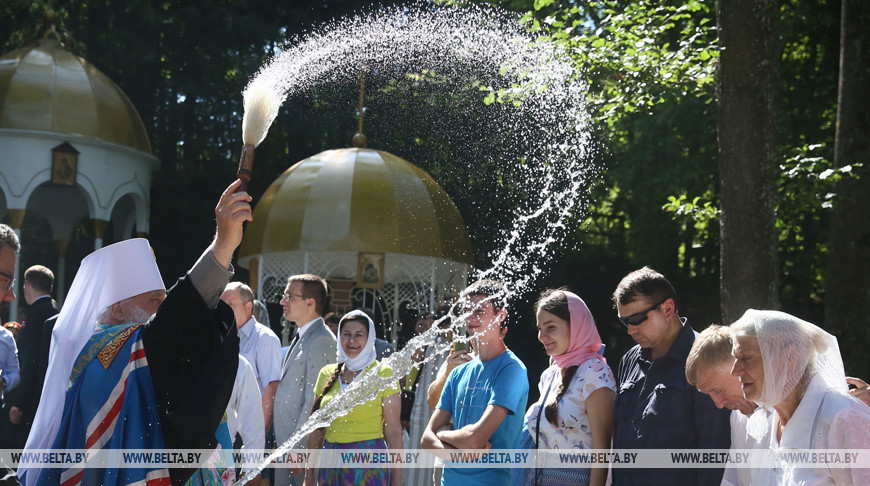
485 398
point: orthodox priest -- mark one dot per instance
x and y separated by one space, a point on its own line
127 379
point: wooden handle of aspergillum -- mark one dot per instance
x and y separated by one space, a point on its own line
246 164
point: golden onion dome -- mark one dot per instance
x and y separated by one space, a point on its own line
360 200
45 87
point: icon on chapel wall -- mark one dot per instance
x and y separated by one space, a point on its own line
370 270
64 164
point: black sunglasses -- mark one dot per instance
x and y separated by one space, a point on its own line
638 318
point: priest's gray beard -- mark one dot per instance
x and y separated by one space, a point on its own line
138 314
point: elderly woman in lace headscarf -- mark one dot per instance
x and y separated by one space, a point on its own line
793 370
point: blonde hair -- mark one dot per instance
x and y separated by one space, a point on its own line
712 347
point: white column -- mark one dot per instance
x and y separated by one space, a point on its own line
13 306
60 280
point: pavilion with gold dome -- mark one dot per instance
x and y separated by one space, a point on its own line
378 228
73 149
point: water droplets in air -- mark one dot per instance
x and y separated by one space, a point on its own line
515 103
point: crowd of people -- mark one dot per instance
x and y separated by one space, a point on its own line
126 364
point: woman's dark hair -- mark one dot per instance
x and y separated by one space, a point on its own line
555 302
355 318
551 411
327 387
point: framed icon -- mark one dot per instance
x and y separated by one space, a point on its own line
64 164
370 270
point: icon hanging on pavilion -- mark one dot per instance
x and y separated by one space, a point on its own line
64 164
370 270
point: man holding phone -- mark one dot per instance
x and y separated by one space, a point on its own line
486 395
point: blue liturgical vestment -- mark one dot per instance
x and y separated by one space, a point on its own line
112 370
172 397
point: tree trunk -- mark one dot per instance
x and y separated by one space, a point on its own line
847 283
747 85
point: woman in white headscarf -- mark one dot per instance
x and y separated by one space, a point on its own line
374 425
793 370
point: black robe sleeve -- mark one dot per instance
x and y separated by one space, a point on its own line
30 357
193 355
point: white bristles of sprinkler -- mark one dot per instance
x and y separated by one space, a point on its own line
262 101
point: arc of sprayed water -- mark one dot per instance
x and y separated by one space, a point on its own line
539 79
366 387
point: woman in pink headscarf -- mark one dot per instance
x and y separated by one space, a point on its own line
575 410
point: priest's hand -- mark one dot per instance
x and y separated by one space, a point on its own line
232 210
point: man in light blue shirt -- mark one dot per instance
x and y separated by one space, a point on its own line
9 246
9 376
257 343
485 397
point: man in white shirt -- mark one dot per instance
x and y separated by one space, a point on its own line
257 343
245 414
708 368
313 347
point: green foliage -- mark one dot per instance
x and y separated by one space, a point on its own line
184 66
650 66
635 53
14 31
694 211
804 202
698 220
809 178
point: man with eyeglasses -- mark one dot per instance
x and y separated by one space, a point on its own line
9 247
9 375
313 347
656 408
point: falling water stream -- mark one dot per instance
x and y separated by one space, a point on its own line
529 85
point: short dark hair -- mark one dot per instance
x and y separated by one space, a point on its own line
644 283
8 237
332 317
40 278
313 287
492 290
